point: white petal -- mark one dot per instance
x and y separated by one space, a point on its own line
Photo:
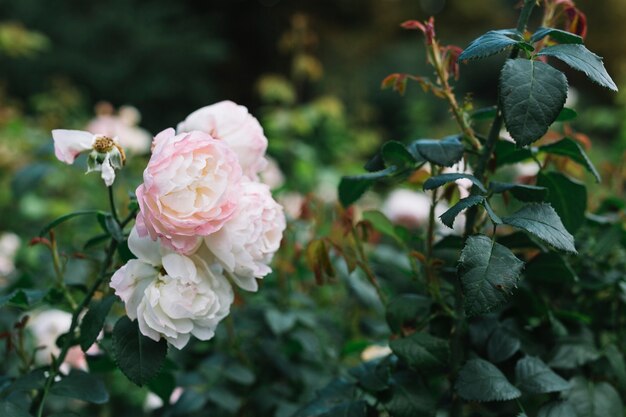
69 143
144 248
108 172
179 266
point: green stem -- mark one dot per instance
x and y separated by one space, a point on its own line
112 204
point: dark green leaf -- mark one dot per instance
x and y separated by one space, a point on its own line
357 408
557 409
558 35
406 310
66 217
582 59
535 377
351 188
533 94
489 273
591 399
502 344
422 351
22 298
163 385
375 163
138 357
567 196
522 192
224 399
279 321
374 375
93 321
110 226
566 115
481 381
239 374
8 409
550 267
448 217
618 365
542 221
495 219
439 180
409 397
82 386
571 149
573 354
395 153
447 151
491 43
507 153
33 380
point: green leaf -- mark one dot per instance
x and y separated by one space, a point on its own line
571 149
535 377
373 376
491 43
618 365
82 386
446 152
409 397
507 153
439 180
279 321
582 59
395 153
566 115
8 409
162 385
382 224
489 272
422 351
573 354
502 344
567 196
406 310
558 35
450 215
522 192
110 226
351 188
557 409
550 267
481 381
138 357
540 220
67 217
22 298
357 408
93 321
591 399
533 94
484 113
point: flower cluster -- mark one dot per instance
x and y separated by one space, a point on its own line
205 220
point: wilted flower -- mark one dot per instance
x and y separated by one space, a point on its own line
123 126
105 153
171 295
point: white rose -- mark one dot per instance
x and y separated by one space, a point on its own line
246 244
233 124
171 295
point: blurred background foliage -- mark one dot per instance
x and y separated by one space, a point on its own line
311 72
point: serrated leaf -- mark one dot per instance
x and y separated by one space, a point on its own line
138 357
481 381
540 220
507 153
502 344
93 321
491 43
522 192
558 35
591 399
409 397
532 94
82 386
406 310
450 215
535 377
442 179
422 351
351 188
582 59
567 196
446 152
8 409
571 149
489 273
557 409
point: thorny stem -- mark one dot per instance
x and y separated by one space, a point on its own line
479 172
58 270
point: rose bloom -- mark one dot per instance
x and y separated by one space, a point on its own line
232 124
171 295
246 244
191 188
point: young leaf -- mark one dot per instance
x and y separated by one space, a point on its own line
409 397
138 357
489 272
523 192
93 321
82 386
449 216
582 59
8 409
439 180
558 35
591 399
567 196
446 152
542 221
573 150
533 94
422 351
557 409
481 381
535 377
491 43
351 188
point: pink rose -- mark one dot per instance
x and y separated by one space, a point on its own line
232 124
191 188
246 244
